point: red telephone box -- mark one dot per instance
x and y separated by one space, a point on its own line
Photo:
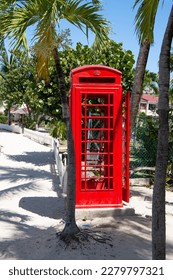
100 125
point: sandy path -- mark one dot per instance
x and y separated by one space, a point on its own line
32 209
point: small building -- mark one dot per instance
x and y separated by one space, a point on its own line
149 104
19 112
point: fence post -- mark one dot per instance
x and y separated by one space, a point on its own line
60 162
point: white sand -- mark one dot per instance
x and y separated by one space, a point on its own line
32 211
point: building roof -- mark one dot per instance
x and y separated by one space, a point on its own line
150 98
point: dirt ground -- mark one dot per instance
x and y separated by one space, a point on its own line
32 212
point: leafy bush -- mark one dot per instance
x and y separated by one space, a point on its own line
58 130
3 118
144 143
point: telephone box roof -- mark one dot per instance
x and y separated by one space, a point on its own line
94 67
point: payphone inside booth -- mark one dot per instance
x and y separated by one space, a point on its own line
97 126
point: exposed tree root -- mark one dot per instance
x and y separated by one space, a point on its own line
98 236
84 235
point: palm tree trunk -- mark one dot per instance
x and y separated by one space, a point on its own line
70 228
158 208
138 81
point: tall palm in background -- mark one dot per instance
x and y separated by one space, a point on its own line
158 206
145 25
144 20
45 16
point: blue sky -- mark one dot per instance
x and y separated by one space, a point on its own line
121 16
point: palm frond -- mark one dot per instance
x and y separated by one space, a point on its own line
97 3
43 49
145 19
14 23
44 15
85 17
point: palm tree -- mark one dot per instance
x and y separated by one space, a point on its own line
145 19
158 208
45 17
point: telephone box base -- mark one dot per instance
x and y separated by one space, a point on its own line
91 213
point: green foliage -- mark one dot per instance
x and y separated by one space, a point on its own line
20 84
171 62
29 123
111 54
58 130
3 118
144 145
151 82
145 138
169 176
